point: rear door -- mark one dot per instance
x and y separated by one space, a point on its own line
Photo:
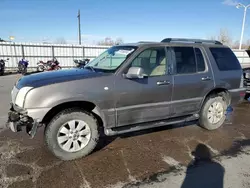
192 78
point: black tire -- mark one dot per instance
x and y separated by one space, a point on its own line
204 121
24 71
61 118
40 68
247 95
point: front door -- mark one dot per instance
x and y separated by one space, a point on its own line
149 98
193 79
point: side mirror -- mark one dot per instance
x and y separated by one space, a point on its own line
135 72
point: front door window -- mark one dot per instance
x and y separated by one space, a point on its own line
152 61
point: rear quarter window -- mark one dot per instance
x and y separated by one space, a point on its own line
225 59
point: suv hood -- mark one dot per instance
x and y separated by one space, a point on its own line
53 77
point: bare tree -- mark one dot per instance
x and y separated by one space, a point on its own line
1 40
60 40
118 41
236 44
110 42
224 37
245 45
248 44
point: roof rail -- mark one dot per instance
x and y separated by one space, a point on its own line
191 40
146 42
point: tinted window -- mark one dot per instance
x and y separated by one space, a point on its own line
185 60
200 60
225 59
248 52
153 61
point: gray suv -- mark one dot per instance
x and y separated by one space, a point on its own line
128 88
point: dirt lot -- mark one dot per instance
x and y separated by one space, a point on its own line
152 158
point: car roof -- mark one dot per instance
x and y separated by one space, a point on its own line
177 42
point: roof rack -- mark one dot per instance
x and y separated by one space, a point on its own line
146 42
191 40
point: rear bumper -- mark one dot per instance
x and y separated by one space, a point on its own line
247 85
237 95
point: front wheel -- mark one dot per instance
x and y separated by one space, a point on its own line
24 71
213 112
72 134
2 72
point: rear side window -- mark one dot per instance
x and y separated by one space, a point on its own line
200 60
225 59
189 60
185 60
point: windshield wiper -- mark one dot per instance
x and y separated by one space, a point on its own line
90 67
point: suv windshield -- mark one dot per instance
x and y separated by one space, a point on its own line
111 59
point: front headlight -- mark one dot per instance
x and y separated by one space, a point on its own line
21 96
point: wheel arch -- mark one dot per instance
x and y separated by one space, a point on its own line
218 91
85 105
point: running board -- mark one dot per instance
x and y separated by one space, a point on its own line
148 125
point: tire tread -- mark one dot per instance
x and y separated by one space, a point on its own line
67 112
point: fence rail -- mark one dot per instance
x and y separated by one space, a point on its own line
66 53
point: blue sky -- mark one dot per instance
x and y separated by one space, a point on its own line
132 20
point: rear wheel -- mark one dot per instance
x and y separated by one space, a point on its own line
72 134
40 68
58 68
213 112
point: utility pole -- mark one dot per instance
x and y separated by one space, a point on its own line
79 27
239 5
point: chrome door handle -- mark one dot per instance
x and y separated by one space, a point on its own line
205 78
165 82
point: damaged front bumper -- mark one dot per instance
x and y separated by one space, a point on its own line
18 118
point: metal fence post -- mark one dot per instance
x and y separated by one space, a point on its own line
73 52
83 52
22 49
53 52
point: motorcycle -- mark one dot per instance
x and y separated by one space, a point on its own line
48 66
2 66
81 63
22 66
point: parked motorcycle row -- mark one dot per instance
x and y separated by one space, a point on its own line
22 66
48 66
42 66
81 63
2 66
